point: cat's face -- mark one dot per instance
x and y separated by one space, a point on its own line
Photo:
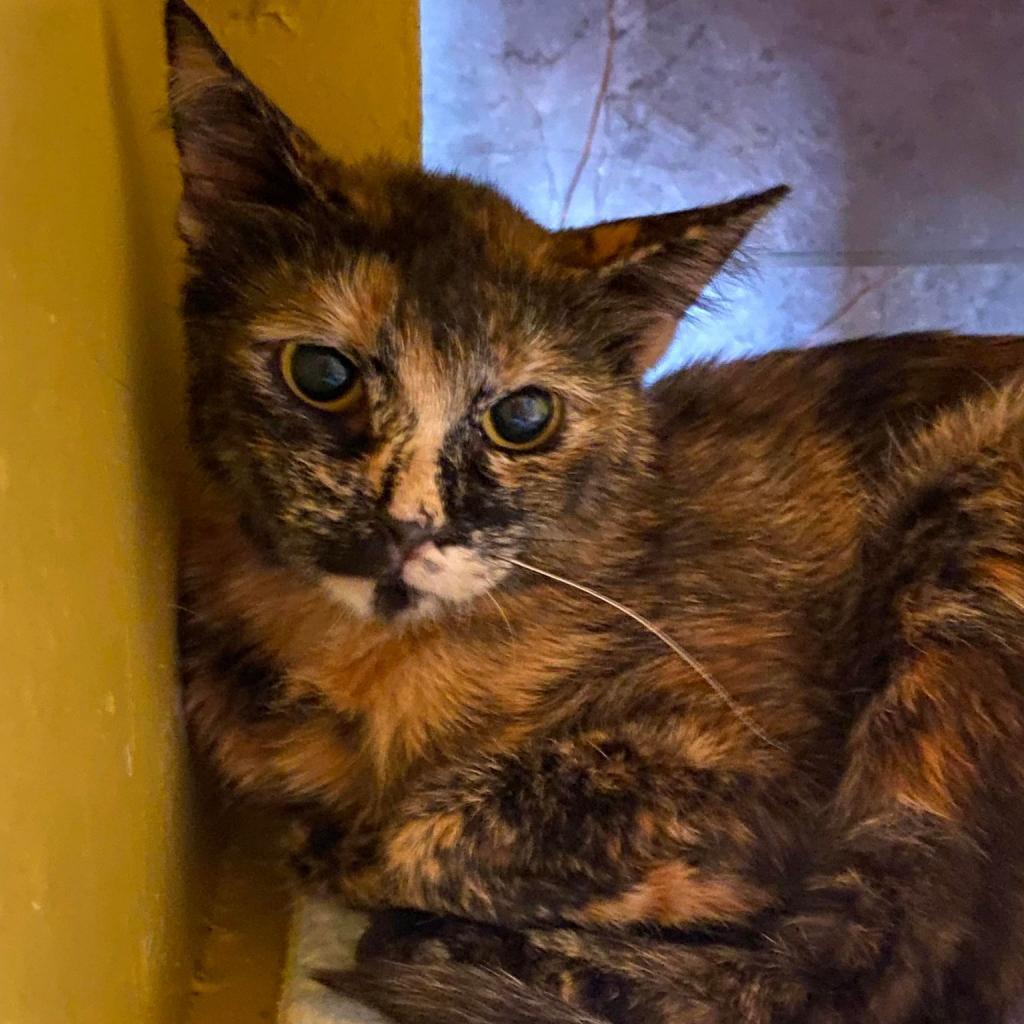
400 381
392 415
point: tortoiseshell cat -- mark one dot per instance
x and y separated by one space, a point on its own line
404 394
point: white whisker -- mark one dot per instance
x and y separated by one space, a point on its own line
503 614
737 709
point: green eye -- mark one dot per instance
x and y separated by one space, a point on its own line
524 420
321 376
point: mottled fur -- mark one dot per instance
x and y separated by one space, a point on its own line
556 819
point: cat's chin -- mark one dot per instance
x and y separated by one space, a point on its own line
383 601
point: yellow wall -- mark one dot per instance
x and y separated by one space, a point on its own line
347 70
100 860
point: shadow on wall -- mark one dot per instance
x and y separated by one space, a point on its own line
898 123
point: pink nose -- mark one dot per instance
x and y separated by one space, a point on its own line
408 535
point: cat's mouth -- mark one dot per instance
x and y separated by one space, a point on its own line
426 578
393 597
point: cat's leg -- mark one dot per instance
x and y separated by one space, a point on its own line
266 736
922 891
917 910
601 829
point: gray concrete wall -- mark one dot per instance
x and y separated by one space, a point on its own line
899 123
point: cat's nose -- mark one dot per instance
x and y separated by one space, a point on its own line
409 534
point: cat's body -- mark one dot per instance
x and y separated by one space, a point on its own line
760 563
827 797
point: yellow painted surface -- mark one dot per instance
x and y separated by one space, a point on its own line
102 864
244 939
348 71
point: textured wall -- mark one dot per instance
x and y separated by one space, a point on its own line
348 71
898 122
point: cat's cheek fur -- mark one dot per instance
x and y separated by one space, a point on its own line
354 592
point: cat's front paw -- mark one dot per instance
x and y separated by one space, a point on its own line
314 850
331 860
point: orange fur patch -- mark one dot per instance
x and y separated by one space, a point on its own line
413 690
596 247
349 309
675 895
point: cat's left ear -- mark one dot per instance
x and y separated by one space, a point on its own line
240 155
650 270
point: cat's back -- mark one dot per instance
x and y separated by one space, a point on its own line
864 393
772 465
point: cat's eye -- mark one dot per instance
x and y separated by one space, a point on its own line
524 420
321 376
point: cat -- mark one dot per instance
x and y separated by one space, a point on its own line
778 778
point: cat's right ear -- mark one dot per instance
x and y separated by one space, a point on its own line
238 152
651 270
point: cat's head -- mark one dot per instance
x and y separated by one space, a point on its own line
397 378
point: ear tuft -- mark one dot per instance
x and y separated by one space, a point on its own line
651 270
236 149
